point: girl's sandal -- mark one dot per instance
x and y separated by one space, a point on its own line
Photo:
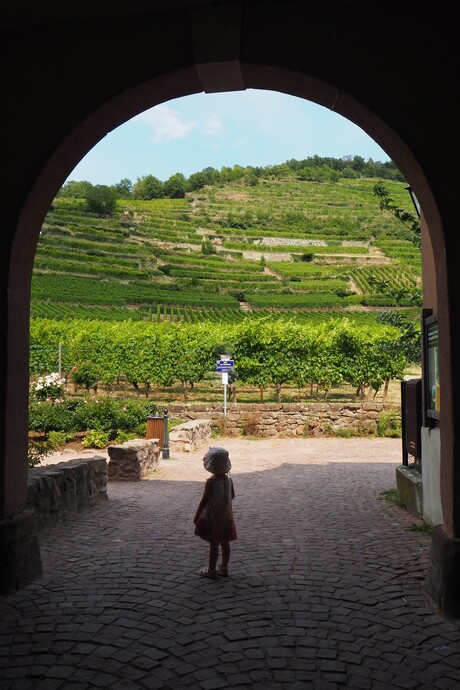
211 574
223 572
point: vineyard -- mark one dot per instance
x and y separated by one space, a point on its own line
292 277
277 355
229 253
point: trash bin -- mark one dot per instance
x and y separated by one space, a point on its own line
156 429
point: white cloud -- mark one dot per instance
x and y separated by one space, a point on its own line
213 126
165 123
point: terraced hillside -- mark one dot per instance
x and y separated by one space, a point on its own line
307 249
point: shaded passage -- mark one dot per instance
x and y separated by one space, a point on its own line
324 588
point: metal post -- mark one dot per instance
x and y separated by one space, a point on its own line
405 454
166 436
225 399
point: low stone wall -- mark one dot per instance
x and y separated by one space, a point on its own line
133 460
54 492
190 435
286 419
409 486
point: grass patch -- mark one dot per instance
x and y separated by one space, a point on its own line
422 528
392 496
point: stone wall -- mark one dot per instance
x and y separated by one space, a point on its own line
133 460
190 435
56 491
287 419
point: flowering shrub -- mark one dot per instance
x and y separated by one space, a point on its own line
50 388
84 374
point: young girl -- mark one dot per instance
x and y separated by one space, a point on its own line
214 517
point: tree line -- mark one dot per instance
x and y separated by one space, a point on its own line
266 353
102 198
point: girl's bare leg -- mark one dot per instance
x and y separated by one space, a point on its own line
225 553
213 553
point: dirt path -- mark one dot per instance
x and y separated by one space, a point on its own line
261 454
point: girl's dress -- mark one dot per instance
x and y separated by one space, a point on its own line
215 522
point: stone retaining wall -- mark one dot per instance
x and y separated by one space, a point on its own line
133 460
54 492
287 419
190 435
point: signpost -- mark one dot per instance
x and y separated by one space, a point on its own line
224 365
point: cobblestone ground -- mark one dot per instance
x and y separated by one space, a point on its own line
324 589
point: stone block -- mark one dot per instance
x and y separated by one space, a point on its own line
409 485
190 435
133 460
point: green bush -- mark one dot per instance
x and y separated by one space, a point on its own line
95 439
389 424
123 436
92 414
106 414
103 414
207 247
37 450
84 374
140 430
129 414
59 438
45 417
101 199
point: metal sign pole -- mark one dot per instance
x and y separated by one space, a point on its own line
166 435
225 382
224 365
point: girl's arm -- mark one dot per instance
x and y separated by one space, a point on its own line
204 499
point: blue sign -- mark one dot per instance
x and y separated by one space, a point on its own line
225 363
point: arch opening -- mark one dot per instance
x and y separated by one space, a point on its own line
117 111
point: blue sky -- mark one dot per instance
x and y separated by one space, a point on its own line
244 128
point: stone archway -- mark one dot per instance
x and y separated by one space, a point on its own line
84 71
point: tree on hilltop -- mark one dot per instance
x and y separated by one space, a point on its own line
148 187
101 199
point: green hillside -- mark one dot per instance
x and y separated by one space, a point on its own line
225 253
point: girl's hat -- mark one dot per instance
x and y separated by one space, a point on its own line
217 461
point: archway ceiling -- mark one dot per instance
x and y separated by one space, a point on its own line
31 13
